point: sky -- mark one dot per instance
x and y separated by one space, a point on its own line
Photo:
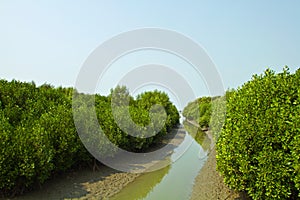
49 41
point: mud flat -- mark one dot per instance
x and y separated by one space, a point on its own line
209 184
83 184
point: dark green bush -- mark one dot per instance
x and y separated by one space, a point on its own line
199 111
218 113
38 136
138 110
259 146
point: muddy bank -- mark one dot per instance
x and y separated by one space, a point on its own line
209 184
83 184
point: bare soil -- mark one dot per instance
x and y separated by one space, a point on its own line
83 184
209 184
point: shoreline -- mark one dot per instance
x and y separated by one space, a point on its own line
84 184
209 185
81 185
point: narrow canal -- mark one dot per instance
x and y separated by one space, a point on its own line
176 180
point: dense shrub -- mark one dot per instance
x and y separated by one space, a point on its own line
137 111
259 146
218 113
38 136
199 111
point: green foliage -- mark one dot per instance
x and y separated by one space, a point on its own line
88 127
148 100
218 114
199 111
258 148
38 136
138 117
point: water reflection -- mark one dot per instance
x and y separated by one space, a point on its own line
178 183
176 180
200 136
142 185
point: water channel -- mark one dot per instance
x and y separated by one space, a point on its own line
176 180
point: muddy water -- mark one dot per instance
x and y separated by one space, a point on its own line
174 181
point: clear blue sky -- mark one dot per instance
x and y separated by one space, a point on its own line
48 41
